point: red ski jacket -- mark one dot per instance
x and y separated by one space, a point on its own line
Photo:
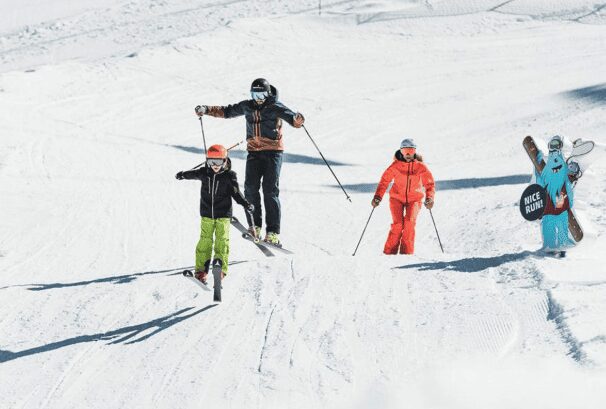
412 180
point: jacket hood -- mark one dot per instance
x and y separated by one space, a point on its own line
274 92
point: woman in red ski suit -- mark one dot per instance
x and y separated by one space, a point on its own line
412 180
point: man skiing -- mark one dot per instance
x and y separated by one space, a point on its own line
219 186
412 180
264 115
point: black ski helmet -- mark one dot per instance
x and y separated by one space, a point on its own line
260 85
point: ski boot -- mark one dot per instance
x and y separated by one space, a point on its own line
254 232
273 238
201 276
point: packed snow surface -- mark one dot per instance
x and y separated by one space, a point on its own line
96 117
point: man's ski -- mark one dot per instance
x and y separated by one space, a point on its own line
217 268
531 149
244 231
190 276
247 236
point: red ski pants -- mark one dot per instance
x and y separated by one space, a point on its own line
402 233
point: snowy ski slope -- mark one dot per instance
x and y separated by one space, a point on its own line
96 117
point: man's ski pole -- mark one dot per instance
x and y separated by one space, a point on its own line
437 234
333 173
363 231
203 140
251 224
233 146
203 137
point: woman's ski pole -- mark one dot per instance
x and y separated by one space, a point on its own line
363 231
437 234
333 173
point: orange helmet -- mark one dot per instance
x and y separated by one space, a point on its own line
216 152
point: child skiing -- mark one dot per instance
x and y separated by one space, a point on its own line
412 180
219 185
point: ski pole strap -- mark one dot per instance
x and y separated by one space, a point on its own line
325 161
363 231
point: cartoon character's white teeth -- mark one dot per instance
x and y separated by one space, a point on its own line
556 169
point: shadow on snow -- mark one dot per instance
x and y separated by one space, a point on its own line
122 335
471 264
122 279
454 184
595 94
286 157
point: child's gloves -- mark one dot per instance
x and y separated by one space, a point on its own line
201 110
375 201
429 203
179 176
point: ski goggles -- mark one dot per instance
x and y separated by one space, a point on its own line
259 95
215 162
555 145
408 151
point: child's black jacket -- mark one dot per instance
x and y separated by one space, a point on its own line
217 190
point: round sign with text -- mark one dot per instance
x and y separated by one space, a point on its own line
533 202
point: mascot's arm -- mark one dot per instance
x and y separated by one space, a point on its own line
537 175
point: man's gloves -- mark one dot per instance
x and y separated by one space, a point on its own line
298 121
201 110
429 203
179 176
250 207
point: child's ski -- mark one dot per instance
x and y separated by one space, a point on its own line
217 268
190 276
260 245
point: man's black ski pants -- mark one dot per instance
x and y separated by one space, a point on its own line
263 170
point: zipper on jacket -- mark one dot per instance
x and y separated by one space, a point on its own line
212 199
258 126
408 181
